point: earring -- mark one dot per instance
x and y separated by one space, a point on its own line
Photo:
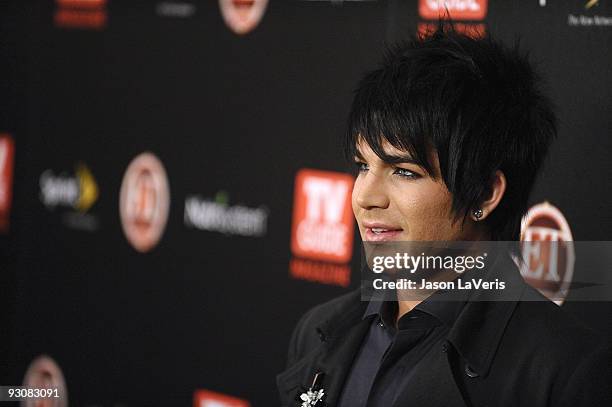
477 214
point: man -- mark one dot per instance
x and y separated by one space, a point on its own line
448 136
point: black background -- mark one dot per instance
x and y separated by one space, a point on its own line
236 113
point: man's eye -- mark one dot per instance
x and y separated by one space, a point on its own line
403 172
361 167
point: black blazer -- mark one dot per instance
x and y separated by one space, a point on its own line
512 353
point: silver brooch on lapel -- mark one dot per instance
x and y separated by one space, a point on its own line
311 397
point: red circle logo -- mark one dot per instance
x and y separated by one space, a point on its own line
548 251
144 202
242 16
44 373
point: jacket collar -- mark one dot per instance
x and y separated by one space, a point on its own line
443 309
348 314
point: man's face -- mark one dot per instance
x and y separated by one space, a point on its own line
401 202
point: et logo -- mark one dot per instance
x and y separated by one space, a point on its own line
144 202
242 16
548 251
44 373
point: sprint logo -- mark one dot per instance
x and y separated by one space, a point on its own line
79 192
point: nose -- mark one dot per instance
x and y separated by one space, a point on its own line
369 191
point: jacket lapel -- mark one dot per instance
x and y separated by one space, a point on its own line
337 359
343 333
474 337
480 326
433 386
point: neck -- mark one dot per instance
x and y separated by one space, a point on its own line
405 306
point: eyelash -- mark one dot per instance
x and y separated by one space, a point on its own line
398 171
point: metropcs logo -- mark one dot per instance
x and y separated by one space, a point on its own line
548 251
207 398
322 226
7 153
144 202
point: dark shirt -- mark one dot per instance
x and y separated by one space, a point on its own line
389 356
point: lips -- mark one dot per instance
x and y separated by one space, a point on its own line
378 232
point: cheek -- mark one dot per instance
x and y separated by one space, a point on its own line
354 198
426 212
357 209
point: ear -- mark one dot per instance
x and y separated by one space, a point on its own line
498 188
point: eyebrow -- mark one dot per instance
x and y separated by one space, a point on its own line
393 159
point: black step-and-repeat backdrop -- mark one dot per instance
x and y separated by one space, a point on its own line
173 195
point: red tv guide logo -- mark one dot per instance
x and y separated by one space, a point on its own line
322 216
7 152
